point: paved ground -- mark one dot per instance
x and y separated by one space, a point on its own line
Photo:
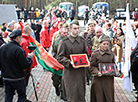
46 92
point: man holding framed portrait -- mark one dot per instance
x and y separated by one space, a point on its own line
73 79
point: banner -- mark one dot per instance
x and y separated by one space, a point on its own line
130 43
45 60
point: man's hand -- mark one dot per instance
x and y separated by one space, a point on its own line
99 74
31 54
117 74
72 64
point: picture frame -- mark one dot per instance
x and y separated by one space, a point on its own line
79 60
107 68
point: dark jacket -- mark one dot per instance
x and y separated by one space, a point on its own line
105 12
32 14
55 45
13 60
33 26
64 15
3 28
25 14
1 41
37 34
134 62
72 13
86 15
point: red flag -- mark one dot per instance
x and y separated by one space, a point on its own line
42 55
21 26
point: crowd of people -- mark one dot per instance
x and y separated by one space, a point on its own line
103 41
51 14
94 14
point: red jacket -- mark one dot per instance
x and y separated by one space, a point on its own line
135 15
44 37
24 43
57 25
52 31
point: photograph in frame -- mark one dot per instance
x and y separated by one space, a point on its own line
79 60
107 68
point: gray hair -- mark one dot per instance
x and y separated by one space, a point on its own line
25 24
10 24
26 29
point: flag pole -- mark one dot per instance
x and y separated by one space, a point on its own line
34 86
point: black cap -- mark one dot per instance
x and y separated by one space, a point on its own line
15 33
86 8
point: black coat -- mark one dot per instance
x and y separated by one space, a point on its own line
134 62
13 60
1 41
37 34
72 13
25 14
33 26
64 15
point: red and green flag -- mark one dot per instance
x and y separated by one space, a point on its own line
45 60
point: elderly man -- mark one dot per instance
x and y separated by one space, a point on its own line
8 32
57 82
73 79
12 62
95 39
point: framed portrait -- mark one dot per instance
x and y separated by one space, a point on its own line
107 68
79 60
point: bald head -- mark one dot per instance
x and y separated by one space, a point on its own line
46 23
98 31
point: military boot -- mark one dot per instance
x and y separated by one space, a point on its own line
62 97
57 91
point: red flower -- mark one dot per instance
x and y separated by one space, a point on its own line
38 83
103 72
37 87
